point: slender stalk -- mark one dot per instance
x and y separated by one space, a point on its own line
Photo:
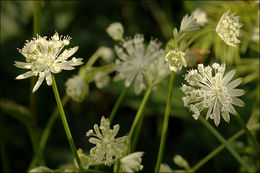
194 38
137 134
248 133
50 123
165 124
140 111
117 104
217 150
92 59
225 143
65 123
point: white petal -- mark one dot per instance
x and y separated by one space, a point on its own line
231 109
228 77
23 65
225 116
209 112
139 84
237 92
25 75
234 83
238 102
129 79
216 112
68 53
38 83
48 78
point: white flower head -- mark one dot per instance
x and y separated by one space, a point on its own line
116 31
200 16
189 24
76 88
44 57
132 162
108 148
106 53
181 162
215 92
176 60
101 79
135 59
228 28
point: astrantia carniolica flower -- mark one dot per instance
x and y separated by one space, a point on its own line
44 57
228 28
200 16
134 60
108 148
216 92
116 31
76 88
176 60
132 162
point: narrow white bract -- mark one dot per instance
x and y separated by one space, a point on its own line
213 91
176 60
108 148
134 61
228 28
76 88
189 24
132 162
44 57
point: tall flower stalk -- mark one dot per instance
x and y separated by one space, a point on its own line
65 123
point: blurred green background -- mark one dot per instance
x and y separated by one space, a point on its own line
86 22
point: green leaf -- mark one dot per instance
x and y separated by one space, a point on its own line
17 111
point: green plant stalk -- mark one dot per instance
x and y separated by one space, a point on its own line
47 130
140 111
165 124
50 123
217 150
225 143
137 134
117 104
65 124
248 133
194 38
92 59
138 115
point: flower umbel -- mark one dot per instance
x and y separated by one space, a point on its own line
132 162
76 88
116 31
44 57
108 148
216 92
176 60
228 28
135 59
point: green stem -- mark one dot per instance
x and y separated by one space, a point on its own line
199 33
117 104
248 133
50 123
140 111
217 150
225 143
165 124
65 123
137 134
47 130
92 59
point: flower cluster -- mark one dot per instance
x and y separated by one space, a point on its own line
132 162
214 92
108 148
135 59
228 28
44 57
176 60
116 31
200 16
77 88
